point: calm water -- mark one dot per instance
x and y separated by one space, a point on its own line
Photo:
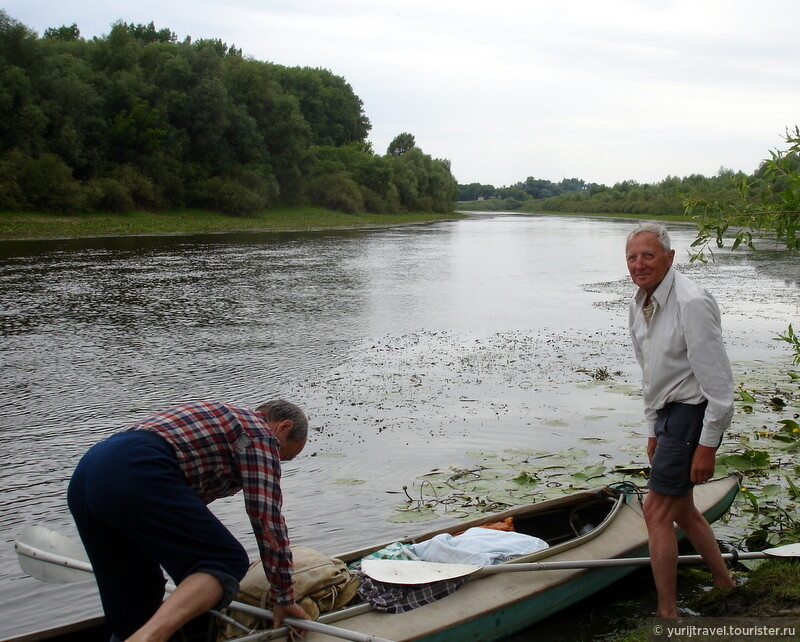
411 348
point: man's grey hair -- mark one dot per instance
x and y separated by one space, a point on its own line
654 228
281 410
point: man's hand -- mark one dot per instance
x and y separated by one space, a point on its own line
651 448
292 610
703 464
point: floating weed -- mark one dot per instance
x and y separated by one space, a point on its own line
518 479
530 454
349 481
555 423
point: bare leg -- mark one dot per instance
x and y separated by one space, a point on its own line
697 529
660 512
196 594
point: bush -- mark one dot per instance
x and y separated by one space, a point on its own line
227 195
337 192
12 197
140 187
49 186
109 195
380 203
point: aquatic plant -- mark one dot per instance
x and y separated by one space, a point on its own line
762 445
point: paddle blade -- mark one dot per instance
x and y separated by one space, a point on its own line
412 572
50 556
790 550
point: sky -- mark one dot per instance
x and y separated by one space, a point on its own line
604 91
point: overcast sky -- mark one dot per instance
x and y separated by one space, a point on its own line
602 90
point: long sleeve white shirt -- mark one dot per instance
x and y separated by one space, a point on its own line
682 354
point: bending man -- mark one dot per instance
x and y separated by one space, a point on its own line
139 501
688 397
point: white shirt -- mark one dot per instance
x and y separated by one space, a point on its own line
681 353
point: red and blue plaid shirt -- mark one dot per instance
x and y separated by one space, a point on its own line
221 450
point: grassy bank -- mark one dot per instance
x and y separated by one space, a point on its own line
29 225
770 591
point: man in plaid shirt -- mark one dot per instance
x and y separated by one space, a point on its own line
139 501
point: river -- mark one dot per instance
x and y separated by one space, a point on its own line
412 348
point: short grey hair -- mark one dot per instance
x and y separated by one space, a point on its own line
281 410
654 228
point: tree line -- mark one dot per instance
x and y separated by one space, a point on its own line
668 197
137 120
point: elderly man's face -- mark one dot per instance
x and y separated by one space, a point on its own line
648 261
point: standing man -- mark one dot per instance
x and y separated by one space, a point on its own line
139 501
688 399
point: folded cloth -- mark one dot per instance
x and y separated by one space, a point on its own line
399 598
481 546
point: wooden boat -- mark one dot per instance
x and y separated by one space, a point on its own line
606 523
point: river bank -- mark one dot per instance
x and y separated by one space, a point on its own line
35 225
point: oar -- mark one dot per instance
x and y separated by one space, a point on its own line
413 572
50 556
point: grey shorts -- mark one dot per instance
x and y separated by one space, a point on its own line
678 427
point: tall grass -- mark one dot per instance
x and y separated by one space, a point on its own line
27 225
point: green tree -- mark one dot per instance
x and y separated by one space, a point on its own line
327 102
148 33
401 144
135 119
768 204
64 33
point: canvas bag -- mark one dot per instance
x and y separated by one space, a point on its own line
321 584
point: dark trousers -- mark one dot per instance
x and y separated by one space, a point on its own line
136 514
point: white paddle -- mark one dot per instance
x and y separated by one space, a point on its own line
413 572
50 556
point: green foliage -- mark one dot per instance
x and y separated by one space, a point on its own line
657 200
475 191
135 119
63 33
766 204
46 183
793 340
330 107
401 144
336 191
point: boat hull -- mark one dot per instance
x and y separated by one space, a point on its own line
492 607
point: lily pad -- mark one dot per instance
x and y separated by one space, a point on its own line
348 481
404 516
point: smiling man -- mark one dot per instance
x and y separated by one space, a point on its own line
688 397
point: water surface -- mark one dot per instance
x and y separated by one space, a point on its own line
412 348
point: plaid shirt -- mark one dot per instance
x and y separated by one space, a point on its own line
221 450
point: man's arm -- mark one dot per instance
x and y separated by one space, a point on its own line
261 476
709 362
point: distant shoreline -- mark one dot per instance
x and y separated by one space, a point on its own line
486 206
